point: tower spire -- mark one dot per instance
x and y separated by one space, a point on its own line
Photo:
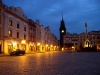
62 30
62 16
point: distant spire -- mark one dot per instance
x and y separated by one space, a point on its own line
62 16
85 25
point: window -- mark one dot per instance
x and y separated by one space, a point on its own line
24 28
10 22
93 37
10 33
75 43
24 37
17 34
18 25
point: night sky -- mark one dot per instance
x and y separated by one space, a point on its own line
49 12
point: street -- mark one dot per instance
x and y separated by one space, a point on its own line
51 63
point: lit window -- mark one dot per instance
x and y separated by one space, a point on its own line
10 33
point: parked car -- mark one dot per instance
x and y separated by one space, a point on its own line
17 52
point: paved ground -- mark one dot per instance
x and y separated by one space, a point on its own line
51 63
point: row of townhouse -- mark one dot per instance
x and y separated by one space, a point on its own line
76 40
19 32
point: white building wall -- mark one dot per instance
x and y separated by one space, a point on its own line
11 40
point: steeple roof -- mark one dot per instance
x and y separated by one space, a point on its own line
62 16
62 24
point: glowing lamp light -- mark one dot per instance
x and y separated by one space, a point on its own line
62 31
51 45
62 49
73 47
9 32
38 44
46 45
14 43
23 42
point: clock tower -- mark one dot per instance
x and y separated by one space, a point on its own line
62 30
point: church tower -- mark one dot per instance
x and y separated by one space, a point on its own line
62 30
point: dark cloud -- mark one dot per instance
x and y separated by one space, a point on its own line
49 12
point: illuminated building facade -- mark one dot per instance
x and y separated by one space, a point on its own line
70 41
32 36
93 37
45 40
14 32
19 32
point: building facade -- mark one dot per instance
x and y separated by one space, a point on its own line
15 29
93 37
71 41
19 32
32 36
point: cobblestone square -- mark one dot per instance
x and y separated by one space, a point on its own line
51 63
